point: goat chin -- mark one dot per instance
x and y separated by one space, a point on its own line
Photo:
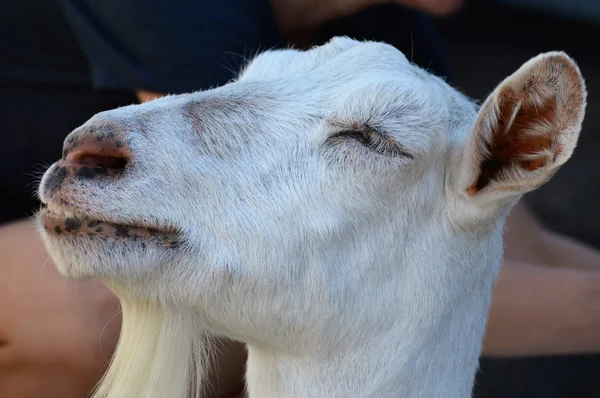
161 353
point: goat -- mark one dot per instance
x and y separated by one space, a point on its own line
339 210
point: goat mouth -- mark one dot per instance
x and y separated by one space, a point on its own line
59 222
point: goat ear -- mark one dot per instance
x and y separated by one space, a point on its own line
526 129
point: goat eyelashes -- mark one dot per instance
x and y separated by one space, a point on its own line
379 142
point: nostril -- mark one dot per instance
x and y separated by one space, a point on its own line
99 161
92 162
89 154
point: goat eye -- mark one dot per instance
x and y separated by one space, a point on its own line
357 135
375 141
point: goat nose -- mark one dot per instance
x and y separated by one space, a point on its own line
90 154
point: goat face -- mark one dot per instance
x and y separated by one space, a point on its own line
320 192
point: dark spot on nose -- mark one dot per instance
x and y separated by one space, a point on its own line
72 224
57 229
104 133
122 231
55 180
72 140
93 223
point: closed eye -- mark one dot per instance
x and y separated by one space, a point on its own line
381 143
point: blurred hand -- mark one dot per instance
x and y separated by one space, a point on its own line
56 335
434 7
296 16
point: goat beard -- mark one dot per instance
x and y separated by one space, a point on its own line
162 352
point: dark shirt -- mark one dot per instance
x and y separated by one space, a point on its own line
65 60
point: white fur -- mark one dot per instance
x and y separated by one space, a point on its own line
348 273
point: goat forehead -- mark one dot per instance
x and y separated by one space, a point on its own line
344 80
339 58
365 96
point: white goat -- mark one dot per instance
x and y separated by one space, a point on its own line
338 210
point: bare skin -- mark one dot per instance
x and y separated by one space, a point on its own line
57 335
547 295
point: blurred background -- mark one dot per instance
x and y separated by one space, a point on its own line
486 41
489 39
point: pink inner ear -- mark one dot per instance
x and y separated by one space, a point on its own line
529 125
517 133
